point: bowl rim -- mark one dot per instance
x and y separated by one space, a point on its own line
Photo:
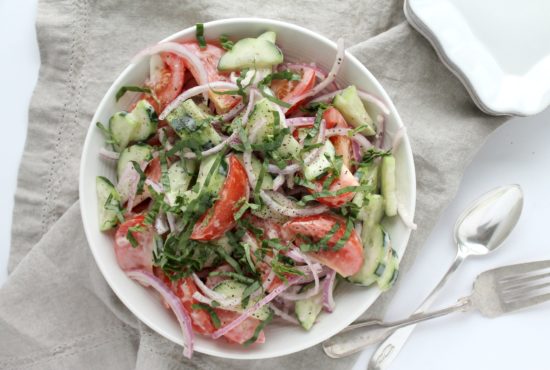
110 92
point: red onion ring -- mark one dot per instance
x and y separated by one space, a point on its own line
278 182
193 92
146 278
283 315
398 138
300 121
215 149
233 112
330 77
109 154
173 47
288 170
365 96
222 299
328 290
356 149
311 292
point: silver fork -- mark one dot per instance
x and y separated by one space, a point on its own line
496 292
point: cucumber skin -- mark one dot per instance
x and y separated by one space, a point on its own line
136 152
251 53
352 108
107 219
388 185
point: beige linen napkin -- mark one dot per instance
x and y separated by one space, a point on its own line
56 310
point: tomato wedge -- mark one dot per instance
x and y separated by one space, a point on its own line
345 179
168 84
131 257
347 260
244 331
209 57
184 290
290 91
214 223
342 144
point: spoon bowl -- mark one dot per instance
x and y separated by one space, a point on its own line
488 221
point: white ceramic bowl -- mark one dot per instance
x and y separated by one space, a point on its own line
351 301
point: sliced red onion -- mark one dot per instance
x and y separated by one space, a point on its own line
283 315
288 170
278 182
405 216
249 106
193 92
282 117
222 299
290 208
216 149
356 149
398 137
328 290
362 141
290 182
161 226
156 187
312 156
233 112
109 154
171 221
296 255
375 100
300 121
267 282
155 69
247 161
249 311
365 96
173 47
148 279
314 270
330 77
381 134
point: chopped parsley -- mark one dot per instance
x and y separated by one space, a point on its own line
215 319
199 34
142 177
259 329
124 89
226 43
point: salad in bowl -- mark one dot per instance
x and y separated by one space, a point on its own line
248 189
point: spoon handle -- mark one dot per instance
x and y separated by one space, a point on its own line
390 348
349 341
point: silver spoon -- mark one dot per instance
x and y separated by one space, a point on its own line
479 230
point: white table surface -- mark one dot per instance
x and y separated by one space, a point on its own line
516 153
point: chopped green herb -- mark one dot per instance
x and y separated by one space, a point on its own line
165 180
109 139
215 319
270 97
142 177
226 43
246 248
230 260
199 34
282 75
259 329
372 154
120 93
233 275
133 242
344 239
248 291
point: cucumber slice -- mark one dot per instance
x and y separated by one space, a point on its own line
388 185
251 53
263 110
391 270
372 212
267 182
138 153
190 123
216 181
373 251
321 164
180 178
235 289
146 117
353 110
268 36
122 130
308 309
108 203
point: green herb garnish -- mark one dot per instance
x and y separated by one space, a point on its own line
199 34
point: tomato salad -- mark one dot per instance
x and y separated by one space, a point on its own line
248 187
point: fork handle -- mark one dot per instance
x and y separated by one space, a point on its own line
363 334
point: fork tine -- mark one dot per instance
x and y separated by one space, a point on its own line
521 282
518 304
504 276
524 292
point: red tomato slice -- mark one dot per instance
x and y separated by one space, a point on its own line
244 331
289 91
202 323
128 256
169 82
209 57
342 144
184 289
346 261
214 223
346 179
